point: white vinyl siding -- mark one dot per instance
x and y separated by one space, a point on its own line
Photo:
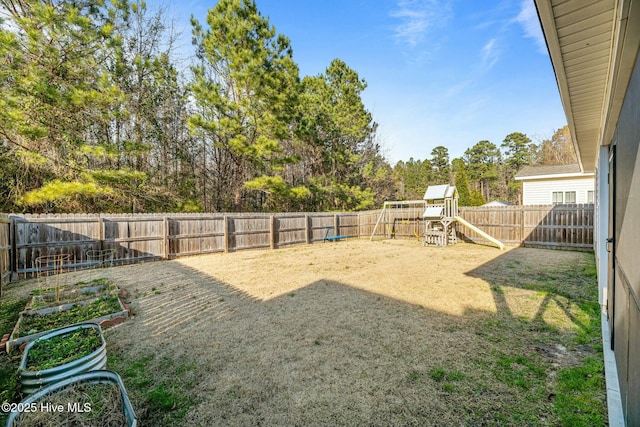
540 192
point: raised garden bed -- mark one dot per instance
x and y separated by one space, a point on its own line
60 354
96 398
79 291
101 281
35 323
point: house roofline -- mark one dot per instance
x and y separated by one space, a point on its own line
555 176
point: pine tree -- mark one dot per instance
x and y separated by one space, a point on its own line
518 152
483 162
56 93
440 163
339 134
461 182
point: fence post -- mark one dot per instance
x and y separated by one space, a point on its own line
13 257
165 227
522 216
5 248
336 225
306 229
272 232
226 233
101 232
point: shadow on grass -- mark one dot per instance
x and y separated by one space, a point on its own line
200 352
570 289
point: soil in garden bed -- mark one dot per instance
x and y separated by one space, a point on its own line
61 349
34 323
102 281
84 405
79 291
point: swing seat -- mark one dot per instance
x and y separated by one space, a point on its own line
332 238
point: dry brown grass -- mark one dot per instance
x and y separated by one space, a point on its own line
104 408
352 333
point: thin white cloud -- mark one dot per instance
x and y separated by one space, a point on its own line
457 88
490 54
417 17
471 110
528 19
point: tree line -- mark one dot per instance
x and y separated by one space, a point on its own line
96 116
485 171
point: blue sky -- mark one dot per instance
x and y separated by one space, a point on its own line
439 72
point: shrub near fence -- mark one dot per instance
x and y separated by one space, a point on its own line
141 237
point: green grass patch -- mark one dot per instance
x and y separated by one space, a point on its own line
588 318
580 398
545 370
9 313
440 374
8 378
446 378
157 400
519 371
448 387
415 376
163 399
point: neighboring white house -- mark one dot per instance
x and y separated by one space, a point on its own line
546 185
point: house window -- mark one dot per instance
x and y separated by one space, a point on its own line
570 197
589 196
556 197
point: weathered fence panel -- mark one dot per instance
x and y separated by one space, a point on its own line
46 235
319 222
5 250
367 223
553 226
292 229
503 223
194 235
348 224
249 232
136 238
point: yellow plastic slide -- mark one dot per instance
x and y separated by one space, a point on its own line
480 232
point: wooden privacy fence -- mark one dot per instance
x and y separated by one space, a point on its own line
135 238
549 226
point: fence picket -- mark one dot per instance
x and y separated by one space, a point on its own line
162 236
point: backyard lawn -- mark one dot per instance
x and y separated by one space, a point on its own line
359 333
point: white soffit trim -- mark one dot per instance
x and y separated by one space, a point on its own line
555 176
623 58
579 37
